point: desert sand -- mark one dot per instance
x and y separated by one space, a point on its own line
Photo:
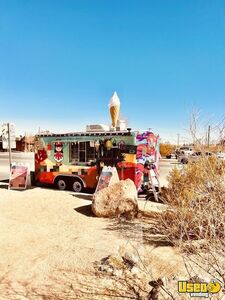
49 241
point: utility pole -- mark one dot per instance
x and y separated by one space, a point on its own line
208 136
178 140
9 146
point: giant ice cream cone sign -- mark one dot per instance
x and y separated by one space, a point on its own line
114 107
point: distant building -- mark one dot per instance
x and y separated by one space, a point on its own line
23 144
19 144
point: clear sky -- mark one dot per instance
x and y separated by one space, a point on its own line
60 61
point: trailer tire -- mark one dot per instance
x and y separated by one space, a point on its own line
61 183
184 161
77 185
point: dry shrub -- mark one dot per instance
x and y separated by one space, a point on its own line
196 203
215 148
166 149
195 218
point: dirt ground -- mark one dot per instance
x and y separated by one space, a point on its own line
49 241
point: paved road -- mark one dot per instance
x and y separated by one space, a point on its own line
17 157
166 165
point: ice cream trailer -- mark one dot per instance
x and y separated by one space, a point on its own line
74 160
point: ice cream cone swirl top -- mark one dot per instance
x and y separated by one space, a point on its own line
114 107
114 100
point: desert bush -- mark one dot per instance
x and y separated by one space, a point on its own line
196 203
166 149
195 218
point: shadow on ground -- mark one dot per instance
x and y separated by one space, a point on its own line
143 229
4 184
85 210
138 230
83 196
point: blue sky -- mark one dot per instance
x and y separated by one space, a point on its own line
60 61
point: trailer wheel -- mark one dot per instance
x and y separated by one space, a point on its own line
184 161
77 185
61 184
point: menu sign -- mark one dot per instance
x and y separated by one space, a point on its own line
18 177
108 176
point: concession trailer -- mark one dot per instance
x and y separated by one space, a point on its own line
74 160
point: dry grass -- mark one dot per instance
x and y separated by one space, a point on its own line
195 218
196 199
214 148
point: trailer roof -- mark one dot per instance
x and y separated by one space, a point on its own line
100 133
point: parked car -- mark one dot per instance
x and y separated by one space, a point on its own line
171 155
187 150
184 158
220 155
